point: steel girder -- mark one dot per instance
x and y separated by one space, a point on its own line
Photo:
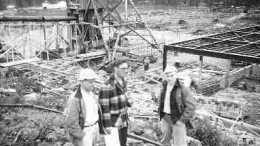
242 44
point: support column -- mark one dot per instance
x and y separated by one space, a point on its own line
126 14
164 57
69 30
57 37
228 74
200 73
25 30
45 42
251 71
100 25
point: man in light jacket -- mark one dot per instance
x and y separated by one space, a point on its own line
83 114
176 108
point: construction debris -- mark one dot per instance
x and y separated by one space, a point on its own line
40 60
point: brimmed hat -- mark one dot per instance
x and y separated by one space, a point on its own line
119 61
87 74
184 77
170 69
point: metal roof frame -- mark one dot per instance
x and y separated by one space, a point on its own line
241 44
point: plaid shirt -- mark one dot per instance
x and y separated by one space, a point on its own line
114 104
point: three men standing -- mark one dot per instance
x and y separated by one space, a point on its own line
176 108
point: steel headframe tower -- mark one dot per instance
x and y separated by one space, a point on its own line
97 16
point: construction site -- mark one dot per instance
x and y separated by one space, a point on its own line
44 44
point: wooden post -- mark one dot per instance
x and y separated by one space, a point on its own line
116 46
9 32
57 37
70 29
13 53
200 73
45 42
7 57
251 71
228 74
126 3
164 57
75 34
24 46
100 25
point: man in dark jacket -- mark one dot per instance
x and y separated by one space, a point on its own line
114 103
176 108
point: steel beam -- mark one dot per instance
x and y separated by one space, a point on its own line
211 53
228 45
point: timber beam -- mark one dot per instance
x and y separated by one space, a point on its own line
37 18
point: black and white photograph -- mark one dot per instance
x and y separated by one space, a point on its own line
129 72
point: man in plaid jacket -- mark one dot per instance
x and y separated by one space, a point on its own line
113 101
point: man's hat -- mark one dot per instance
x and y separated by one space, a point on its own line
87 74
119 61
170 69
186 79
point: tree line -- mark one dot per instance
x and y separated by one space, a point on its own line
23 3
196 2
31 3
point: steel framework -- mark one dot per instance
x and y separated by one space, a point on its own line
241 44
108 15
91 24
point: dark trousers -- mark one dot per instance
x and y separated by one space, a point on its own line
122 136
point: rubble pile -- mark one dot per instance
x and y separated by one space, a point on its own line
211 131
144 120
28 126
248 101
233 103
221 105
237 105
